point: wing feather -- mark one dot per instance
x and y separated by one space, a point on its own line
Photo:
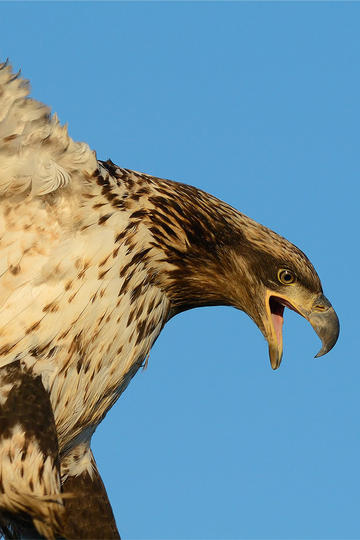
29 460
37 155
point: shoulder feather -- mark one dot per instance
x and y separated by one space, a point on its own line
36 153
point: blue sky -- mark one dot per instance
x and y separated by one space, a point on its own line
257 103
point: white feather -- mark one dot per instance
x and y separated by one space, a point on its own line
36 153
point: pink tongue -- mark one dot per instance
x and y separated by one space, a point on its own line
278 319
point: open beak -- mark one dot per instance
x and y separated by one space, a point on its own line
321 316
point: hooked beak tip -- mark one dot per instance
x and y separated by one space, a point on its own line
326 325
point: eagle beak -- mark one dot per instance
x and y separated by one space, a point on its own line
275 308
321 316
326 324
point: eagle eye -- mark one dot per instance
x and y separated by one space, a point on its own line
286 277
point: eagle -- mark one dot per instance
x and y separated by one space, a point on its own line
94 260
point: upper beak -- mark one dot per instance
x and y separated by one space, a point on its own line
321 316
326 324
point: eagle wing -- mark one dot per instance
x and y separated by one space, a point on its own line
29 457
87 509
37 157
36 153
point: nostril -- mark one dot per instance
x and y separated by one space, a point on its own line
318 307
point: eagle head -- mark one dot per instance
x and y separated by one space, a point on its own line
276 274
219 256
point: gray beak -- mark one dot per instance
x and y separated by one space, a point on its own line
325 322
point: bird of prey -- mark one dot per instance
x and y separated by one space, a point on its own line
94 260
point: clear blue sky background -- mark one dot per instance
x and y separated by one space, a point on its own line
257 103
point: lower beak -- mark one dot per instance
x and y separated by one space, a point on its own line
276 313
275 355
322 318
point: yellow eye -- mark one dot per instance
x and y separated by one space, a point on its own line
286 277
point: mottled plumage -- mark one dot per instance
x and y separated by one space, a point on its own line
94 259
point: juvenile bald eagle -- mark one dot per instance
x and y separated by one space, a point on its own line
94 260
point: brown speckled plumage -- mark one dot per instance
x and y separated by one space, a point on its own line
94 259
